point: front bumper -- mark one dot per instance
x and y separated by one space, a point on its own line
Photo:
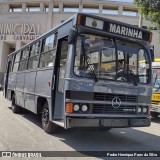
103 122
155 108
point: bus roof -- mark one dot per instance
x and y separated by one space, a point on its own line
104 24
46 33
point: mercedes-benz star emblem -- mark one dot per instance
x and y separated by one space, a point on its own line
116 102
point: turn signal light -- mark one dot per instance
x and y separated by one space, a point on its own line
69 107
150 37
79 19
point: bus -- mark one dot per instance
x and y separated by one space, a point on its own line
155 107
70 75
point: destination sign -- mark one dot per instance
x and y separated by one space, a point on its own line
125 31
116 28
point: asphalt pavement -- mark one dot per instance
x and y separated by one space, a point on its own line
23 132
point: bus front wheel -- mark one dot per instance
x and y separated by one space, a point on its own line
47 125
15 108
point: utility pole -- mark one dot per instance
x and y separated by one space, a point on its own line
140 20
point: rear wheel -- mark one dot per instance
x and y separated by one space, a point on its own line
15 108
47 125
154 114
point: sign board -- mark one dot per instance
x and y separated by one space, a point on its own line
115 27
25 32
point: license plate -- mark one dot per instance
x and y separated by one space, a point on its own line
156 97
140 122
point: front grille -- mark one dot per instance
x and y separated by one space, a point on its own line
108 109
109 97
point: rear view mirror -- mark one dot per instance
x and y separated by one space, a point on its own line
71 36
107 52
152 53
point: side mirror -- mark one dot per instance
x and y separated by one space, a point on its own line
71 36
152 53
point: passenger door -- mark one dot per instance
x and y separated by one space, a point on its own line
60 78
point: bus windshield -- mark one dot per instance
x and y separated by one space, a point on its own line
107 58
156 80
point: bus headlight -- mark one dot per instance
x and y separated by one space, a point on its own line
139 110
76 107
84 108
144 109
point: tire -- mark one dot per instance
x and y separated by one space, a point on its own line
154 114
15 108
47 125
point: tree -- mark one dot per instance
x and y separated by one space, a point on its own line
151 10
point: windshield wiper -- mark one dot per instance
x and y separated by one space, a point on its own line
133 76
92 73
91 69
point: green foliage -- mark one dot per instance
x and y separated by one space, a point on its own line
151 10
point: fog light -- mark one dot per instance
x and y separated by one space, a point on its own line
145 110
84 108
76 107
139 110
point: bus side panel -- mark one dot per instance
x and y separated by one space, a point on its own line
29 88
9 81
43 82
19 88
8 96
43 86
13 81
11 84
9 87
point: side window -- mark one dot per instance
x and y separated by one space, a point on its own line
63 61
47 59
35 49
64 51
23 61
34 55
143 66
25 53
17 58
49 43
47 56
16 62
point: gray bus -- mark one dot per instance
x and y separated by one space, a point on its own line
84 73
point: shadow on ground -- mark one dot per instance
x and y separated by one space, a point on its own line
156 120
92 139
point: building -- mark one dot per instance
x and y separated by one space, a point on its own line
23 20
